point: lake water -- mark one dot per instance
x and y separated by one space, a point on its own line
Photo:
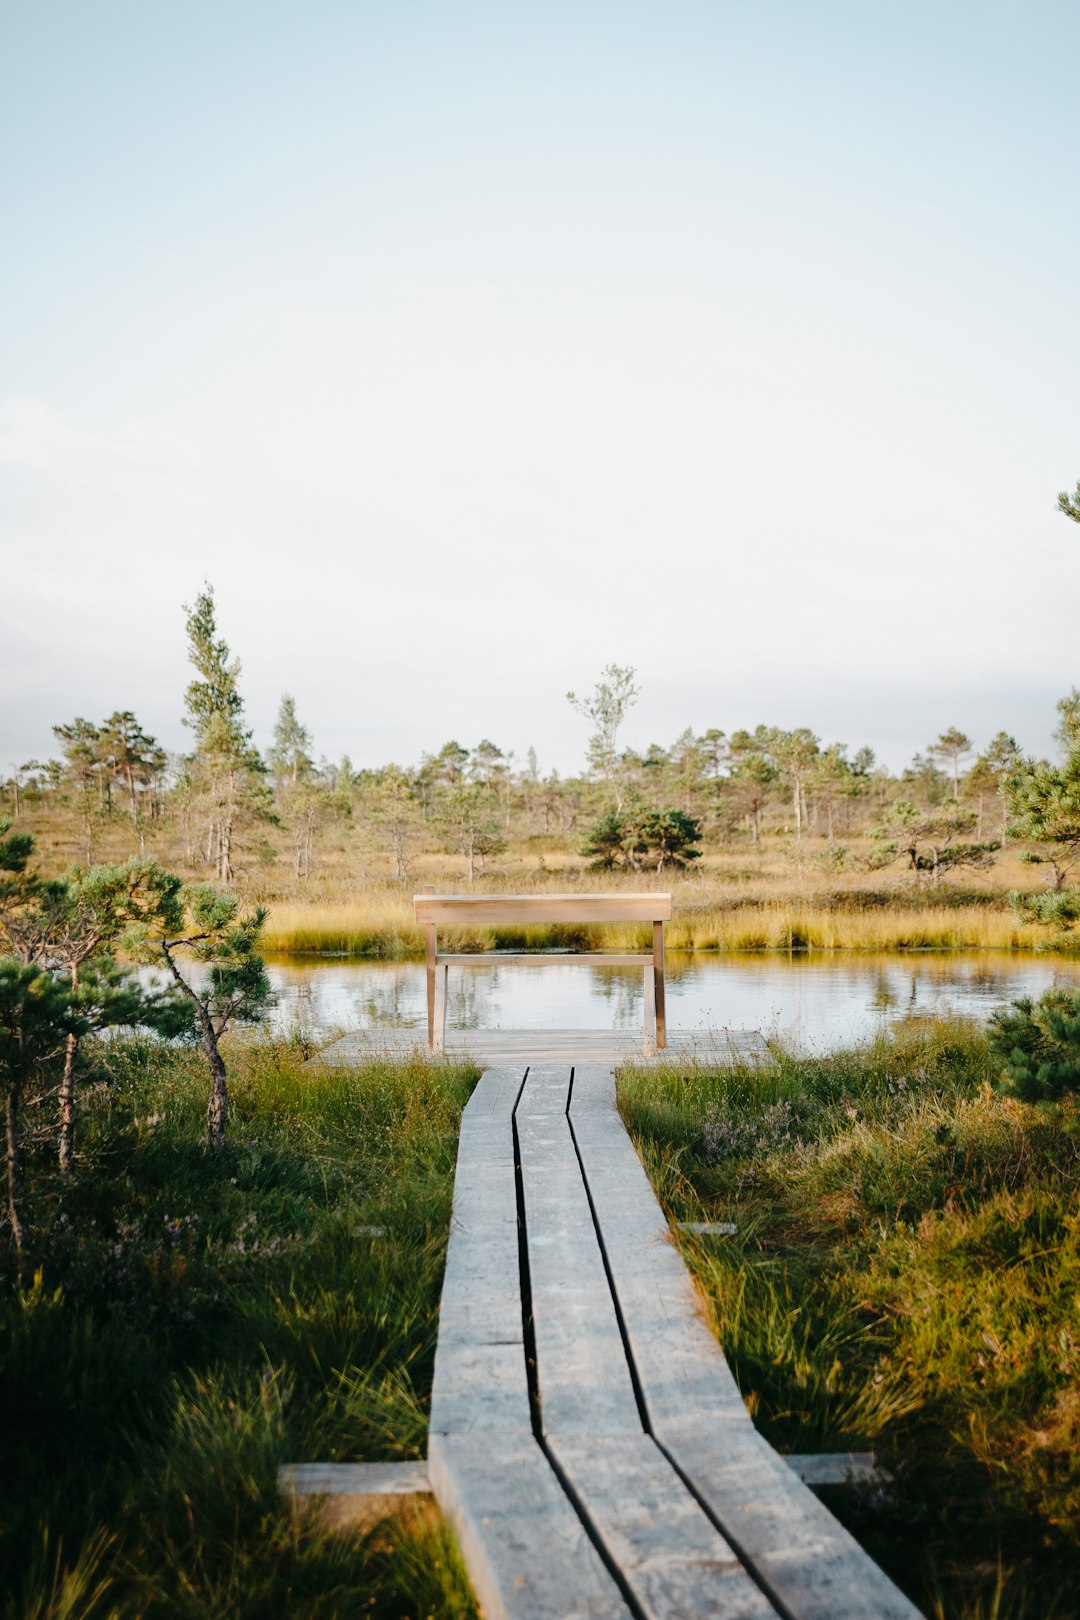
814 1002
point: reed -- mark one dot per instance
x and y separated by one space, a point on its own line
382 926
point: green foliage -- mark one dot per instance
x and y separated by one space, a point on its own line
1058 909
215 696
1044 808
15 851
470 813
392 814
199 1320
226 938
1037 1044
227 770
37 1012
1070 504
904 1273
637 838
951 747
924 838
606 708
134 758
290 759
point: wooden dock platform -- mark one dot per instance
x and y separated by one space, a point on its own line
507 1048
587 1438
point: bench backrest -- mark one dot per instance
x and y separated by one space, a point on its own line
452 909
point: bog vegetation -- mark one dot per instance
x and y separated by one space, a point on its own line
217 1263
192 1320
904 1277
770 837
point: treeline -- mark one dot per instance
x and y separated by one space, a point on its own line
225 809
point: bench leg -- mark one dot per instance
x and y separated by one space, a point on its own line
658 984
429 963
439 1042
648 1045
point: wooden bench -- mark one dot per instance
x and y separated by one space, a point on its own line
457 910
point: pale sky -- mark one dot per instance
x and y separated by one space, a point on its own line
467 348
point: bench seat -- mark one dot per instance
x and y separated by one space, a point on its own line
457 910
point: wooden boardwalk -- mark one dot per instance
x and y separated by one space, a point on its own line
587 1439
508 1048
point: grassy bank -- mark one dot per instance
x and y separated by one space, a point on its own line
198 1320
382 926
905 1277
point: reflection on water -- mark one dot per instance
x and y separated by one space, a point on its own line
815 1002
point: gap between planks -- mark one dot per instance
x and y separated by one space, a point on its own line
656 1506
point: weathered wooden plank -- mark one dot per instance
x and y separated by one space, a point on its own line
801 1554
525 1548
681 1369
352 1498
837 1468
505 1047
584 1380
659 994
480 1378
355 1496
673 1559
354 1479
545 958
438 1016
467 909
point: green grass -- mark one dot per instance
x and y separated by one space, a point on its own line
198 1320
905 1277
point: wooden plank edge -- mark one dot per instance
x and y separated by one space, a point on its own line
674 1561
838 1468
352 1498
800 1553
528 1559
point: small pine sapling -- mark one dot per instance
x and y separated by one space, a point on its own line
234 988
1037 1044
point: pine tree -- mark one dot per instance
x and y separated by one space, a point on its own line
951 747
752 773
37 1013
795 754
1070 504
215 932
84 775
227 766
1044 810
70 927
289 757
133 756
393 817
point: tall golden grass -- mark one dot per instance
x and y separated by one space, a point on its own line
382 925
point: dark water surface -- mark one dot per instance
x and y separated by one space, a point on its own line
816 1002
